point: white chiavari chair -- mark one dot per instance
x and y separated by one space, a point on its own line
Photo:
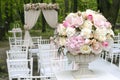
59 65
116 38
19 67
19 48
33 50
12 40
114 52
43 41
45 55
17 55
35 40
17 41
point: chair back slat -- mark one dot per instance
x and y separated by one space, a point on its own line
19 67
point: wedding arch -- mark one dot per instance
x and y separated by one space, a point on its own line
32 12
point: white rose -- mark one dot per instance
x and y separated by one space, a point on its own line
101 31
61 29
62 41
86 32
100 17
70 31
85 49
100 34
87 24
102 38
83 15
110 31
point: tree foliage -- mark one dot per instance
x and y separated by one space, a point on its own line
12 11
110 9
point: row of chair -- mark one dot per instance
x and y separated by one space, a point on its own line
114 52
18 61
49 62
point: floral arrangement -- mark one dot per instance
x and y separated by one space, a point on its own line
39 6
85 32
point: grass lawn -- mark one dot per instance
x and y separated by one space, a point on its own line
4 45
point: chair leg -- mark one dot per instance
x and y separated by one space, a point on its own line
116 58
112 56
106 56
102 55
10 78
38 68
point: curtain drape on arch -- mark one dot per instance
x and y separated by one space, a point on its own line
32 12
31 18
51 17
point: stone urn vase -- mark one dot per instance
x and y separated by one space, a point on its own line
82 61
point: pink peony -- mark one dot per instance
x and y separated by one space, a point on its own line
73 43
77 21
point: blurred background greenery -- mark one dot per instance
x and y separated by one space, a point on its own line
12 12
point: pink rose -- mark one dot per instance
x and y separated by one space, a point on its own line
66 23
105 44
90 17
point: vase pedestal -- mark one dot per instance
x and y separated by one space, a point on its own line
82 64
82 71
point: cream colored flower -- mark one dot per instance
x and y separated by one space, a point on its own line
100 34
101 37
85 49
101 31
99 17
62 41
96 48
86 32
61 30
110 31
70 31
87 24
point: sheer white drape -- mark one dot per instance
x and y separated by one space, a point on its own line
51 17
31 17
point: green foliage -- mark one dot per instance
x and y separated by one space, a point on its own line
12 11
47 34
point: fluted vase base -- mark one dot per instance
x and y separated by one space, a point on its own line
82 62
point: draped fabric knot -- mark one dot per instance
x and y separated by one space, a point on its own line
26 27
